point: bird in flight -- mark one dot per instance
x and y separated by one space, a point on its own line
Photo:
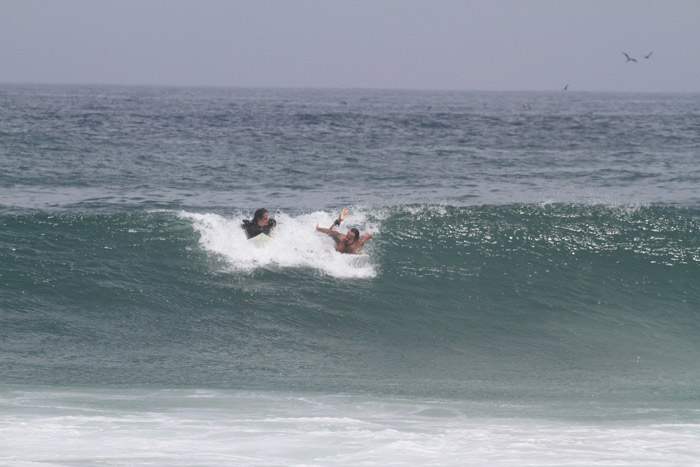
630 59
566 87
647 56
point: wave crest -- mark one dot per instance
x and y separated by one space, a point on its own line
295 244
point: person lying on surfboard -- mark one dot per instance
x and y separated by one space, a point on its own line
351 242
261 223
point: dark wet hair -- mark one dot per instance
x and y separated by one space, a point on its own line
258 214
356 232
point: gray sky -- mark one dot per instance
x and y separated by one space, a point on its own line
437 44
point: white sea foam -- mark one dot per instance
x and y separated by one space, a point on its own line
273 429
295 244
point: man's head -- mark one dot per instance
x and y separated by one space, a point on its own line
352 235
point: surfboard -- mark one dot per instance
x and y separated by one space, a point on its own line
260 240
360 259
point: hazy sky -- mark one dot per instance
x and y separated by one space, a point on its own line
435 44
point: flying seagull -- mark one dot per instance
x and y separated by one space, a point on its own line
629 59
566 87
647 56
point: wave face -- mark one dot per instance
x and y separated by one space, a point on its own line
83 148
521 300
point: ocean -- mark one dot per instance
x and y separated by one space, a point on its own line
531 294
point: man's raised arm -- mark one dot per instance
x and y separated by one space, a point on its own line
340 219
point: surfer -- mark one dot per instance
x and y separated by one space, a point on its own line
351 242
261 223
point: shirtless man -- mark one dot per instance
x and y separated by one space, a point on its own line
351 242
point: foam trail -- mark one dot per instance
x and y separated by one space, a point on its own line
295 244
213 428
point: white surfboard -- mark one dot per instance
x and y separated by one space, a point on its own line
260 240
360 259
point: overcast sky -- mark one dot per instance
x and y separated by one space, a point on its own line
507 45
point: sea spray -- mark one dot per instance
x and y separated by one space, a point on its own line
295 244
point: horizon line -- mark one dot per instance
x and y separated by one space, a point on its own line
328 88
